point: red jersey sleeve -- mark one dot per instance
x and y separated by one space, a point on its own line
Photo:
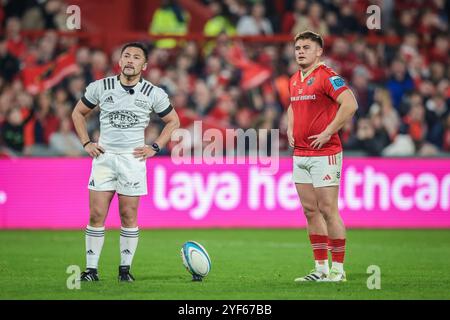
333 85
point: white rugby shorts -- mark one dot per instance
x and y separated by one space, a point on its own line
122 173
322 171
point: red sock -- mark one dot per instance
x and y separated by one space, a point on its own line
319 245
337 247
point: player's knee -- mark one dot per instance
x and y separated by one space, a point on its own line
128 215
128 222
96 216
325 209
310 211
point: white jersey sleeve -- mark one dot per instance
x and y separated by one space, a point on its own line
161 102
91 97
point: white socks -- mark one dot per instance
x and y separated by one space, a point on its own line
128 242
94 244
322 267
338 266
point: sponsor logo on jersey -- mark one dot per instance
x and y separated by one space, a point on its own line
304 97
122 119
141 103
337 82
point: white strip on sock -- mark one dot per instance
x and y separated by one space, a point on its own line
324 268
128 242
338 266
94 244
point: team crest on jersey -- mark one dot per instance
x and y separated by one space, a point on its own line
141 103
310 81
122 119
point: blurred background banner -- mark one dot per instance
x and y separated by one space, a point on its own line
375 193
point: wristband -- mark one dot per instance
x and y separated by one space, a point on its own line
84 145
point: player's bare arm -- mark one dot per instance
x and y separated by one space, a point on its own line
79 120
172 122
290 126
347 108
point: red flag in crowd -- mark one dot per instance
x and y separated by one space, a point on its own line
253 74
43 77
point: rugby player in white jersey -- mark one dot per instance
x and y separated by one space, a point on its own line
126 102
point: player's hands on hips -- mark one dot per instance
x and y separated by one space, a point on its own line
320 139
143 152
290 136
93 149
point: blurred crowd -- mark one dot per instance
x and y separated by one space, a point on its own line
402 86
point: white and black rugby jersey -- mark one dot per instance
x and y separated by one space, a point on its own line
124 114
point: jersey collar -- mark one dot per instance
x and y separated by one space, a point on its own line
303 77
140 80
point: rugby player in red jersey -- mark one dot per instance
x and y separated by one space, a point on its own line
321 103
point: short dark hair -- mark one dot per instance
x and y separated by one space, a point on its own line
136 45
315 37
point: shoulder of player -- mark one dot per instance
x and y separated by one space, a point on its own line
106 83
326 71
294 77
148 88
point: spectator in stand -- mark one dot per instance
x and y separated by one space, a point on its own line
99 65
439 52
65 142
410 47
362 90
256 23
446 137
399 83
314 21
83 57
437 72
367 138
202 98
169 19
406 21
415 123
347 20
343 58
75 89
12 131
9 65
220 23
402 145
390 119
16 44
46 122
290 17
435 115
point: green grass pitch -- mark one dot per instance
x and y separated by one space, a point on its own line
246 264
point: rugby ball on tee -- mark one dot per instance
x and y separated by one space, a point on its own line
195 259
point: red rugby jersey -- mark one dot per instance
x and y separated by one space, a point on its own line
314 106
